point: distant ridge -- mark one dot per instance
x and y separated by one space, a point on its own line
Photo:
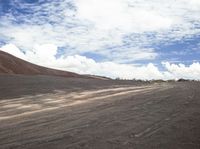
10 64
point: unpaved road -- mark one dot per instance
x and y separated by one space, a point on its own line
153 116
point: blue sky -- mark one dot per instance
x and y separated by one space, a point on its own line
129 34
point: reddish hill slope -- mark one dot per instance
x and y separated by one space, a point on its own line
10 64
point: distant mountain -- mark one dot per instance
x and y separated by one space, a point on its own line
10 64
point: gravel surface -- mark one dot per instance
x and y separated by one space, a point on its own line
38 112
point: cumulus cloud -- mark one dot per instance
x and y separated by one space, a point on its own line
181 71
122 31
84 65
96 25
12 49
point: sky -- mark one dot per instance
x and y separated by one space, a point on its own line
127 39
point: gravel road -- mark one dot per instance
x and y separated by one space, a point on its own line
99 115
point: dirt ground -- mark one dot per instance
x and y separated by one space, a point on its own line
55 113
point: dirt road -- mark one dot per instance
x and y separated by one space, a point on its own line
154 116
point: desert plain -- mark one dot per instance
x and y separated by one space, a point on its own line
38 112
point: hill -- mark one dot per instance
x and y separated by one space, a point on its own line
10 64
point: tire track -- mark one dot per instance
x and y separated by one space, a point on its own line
22 106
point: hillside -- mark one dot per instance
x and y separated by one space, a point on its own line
10 64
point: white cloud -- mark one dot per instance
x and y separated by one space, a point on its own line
181 71
95 25
84 65
119 15
131 54
116 29
12 49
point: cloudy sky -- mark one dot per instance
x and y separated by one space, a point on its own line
141 39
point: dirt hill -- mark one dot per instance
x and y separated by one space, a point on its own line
10 64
